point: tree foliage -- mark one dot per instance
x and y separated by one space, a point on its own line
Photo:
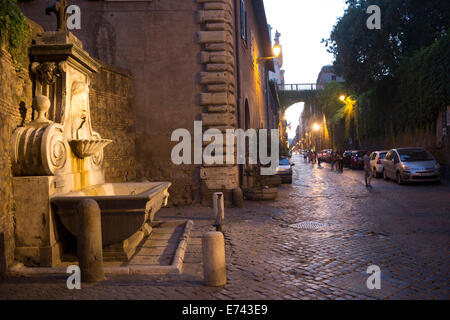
413 98
364 57
328 99
14 31
398 74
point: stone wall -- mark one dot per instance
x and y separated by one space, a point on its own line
217 95
113 117
15 102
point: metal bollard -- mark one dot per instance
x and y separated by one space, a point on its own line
89 236
214 267
219 210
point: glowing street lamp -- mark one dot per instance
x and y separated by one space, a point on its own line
342 98
316 127
276 51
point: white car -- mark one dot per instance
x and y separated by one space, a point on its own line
376 162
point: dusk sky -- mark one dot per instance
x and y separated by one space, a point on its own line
303 24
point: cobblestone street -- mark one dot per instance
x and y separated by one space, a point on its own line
315 242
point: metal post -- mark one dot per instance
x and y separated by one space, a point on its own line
219 210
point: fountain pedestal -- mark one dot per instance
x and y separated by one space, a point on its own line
36 237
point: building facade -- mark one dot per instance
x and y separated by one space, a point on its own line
190 60
327 75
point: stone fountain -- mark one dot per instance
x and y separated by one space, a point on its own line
58 161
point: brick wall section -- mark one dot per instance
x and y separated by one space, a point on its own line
15 102
113 117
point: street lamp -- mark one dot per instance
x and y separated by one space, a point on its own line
316 127
276 51
342 98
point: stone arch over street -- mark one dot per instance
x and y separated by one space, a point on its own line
289 98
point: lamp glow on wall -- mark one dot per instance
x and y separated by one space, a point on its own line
349 103
276 50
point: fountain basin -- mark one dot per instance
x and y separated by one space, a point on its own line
88 147
125 207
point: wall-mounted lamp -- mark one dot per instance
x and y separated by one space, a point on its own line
316 127
276 50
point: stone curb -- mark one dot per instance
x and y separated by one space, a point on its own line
175 268
177 263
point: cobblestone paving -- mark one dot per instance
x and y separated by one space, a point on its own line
315 242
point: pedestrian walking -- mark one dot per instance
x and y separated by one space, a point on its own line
340 159
367 171
333 160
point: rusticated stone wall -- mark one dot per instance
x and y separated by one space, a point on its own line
113 117
217 96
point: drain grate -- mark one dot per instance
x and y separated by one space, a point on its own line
310 225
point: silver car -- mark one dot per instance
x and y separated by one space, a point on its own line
284 170
409 165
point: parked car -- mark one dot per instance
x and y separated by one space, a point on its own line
376 162
347 156
326 155
321 155
411 164
357 159
284 170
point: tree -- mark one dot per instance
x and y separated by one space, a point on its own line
339 114
364 57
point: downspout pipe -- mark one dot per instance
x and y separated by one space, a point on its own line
238 77
237 53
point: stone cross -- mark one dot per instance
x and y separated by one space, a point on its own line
60 10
